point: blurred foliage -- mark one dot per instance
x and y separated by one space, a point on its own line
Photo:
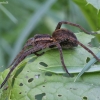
95 3
21 19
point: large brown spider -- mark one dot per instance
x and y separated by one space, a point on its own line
61 38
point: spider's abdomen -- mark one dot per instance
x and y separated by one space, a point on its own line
65 37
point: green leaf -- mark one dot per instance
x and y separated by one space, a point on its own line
87 66
88 10
5 94
95 3
31 83
10 15
58 70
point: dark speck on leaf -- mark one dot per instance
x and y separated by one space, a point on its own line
84 98
48 74
43 64
59 95
39 96
20 92
30 80
21 84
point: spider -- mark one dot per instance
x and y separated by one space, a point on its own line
61 38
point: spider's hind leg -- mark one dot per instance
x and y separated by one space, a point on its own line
72 24
87 49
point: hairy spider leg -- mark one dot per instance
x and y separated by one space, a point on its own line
72 24
29 42
18 55
28 52
87 49
31 51
61 57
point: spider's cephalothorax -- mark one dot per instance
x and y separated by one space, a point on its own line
42 40
61 38
42 37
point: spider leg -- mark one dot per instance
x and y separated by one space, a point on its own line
88 50
72 24
26 53
62 59
28 43
18 55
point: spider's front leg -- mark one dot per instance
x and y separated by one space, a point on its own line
30 42
72 24
22 56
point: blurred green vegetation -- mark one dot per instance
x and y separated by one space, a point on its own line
22 19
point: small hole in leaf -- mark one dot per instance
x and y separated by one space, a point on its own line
43 64
84 98
39 96
43 86
88 59
20 92
30 80
21 84
37 76
48 74
59 95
